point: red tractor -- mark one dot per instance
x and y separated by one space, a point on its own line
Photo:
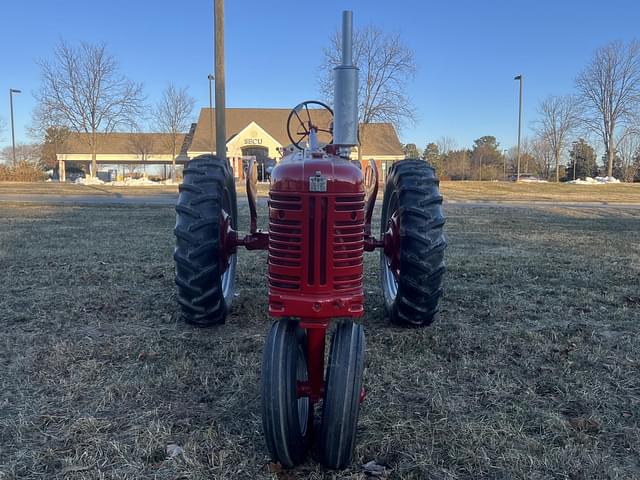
320 211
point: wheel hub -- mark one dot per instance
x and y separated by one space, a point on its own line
391 242
227 241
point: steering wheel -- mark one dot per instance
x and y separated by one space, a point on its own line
304 126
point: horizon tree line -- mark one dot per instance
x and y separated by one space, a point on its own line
83 91
606 105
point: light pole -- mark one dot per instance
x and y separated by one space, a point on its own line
464 159
519 77
211 78
504 164
13 133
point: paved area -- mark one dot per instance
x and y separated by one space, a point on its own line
540 204
102 199
168 199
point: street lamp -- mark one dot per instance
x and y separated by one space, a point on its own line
519 77
504 164
13 134
211 78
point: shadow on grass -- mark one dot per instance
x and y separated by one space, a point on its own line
529 371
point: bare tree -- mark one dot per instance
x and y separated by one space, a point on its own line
559 116
610 90
446 144
628 149
3 127
386 65
142 144
455 163
44 129
530 160
172 116
526 155
25 153
82 90
54 140
52 137
543 156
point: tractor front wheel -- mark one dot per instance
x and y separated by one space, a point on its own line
412 263
287 418
342 395
205 265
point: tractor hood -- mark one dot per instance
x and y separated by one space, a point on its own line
317 173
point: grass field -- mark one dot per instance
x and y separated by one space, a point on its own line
531 370
459 191
54 188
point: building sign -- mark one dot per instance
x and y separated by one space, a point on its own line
253 141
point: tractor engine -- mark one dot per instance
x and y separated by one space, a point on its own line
316 237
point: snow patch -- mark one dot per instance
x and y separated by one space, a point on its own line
595 181
607 180
133 182
88 181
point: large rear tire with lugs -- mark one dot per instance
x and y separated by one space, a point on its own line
206 208
412 263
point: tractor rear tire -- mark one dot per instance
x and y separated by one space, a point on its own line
341 405
412 193
205 285
287 420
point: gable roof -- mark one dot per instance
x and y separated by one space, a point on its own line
124 143
377 138
252 129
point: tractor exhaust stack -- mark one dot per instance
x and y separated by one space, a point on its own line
345 102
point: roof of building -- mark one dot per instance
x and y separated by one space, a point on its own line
125 143
377 138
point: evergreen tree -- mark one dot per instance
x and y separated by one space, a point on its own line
582 161
411 151
433 157
54 139
486 158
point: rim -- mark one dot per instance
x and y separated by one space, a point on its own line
389 280
227 277
303 402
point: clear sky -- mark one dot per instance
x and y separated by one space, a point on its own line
467 52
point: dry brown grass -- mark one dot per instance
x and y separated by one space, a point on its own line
458 191
531 370
527 192
55 188
523 192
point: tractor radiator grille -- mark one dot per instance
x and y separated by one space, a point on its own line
285 241
316 243
348 242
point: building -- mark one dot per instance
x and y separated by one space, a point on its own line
262 132
251 132
140 150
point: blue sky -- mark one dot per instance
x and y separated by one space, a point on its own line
467 52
